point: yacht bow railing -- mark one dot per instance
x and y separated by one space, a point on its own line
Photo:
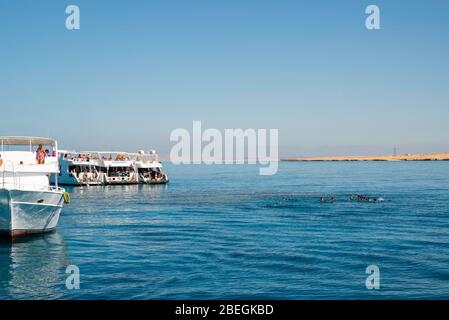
13 171
12 180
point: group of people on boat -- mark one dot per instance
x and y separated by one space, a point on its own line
120 172
121 157
153 174
79 157
87 175
118 157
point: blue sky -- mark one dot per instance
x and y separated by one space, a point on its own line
138 69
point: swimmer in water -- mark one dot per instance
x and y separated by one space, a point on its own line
362 198
327 199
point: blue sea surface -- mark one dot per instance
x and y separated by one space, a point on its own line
225 232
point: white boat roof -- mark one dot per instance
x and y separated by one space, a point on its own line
105 152
149 165
118 163
19 140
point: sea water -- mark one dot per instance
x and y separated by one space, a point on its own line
225 232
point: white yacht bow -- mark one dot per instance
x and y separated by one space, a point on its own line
28 204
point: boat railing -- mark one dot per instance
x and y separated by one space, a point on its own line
30 187
12 170
12 180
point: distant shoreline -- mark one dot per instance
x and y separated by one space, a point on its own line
401 157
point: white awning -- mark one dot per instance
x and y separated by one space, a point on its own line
18 141
116 163
105 152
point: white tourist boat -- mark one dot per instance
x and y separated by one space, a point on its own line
149 168
109 168
116 168
28 204
79 169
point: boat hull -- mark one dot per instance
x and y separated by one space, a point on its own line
163 180
25 213
153 181
70 180
158 182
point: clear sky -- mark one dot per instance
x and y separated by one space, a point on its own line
138 69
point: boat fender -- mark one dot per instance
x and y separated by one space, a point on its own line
66 197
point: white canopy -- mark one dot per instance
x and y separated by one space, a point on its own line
104 152
18 141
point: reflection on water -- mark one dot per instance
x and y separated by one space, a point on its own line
32 268
153 188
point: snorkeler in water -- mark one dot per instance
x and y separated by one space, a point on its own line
327 199
363 198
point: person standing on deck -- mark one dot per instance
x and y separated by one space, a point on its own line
40 155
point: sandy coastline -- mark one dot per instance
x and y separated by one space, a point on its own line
401 157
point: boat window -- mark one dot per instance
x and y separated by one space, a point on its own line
74 169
